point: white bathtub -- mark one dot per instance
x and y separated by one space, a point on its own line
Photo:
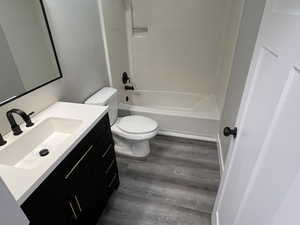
180 114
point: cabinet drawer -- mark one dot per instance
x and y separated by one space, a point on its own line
110 173
111 183
75 157
111 168
83 162
108 155
91 142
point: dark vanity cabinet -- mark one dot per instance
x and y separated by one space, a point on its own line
77 191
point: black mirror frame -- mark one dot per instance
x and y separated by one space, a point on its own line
60 75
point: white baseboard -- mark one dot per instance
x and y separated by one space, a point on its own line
220 153
188 136
215 219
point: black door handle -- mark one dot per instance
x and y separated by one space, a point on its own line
230 132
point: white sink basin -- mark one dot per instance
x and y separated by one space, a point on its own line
59 128
48 134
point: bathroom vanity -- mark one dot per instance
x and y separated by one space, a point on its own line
73 182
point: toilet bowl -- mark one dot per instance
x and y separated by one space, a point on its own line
131 133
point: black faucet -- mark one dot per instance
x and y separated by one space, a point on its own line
127 87
14 126
2 141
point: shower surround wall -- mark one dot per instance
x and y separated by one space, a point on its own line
112 13
173 49
180 50
184 48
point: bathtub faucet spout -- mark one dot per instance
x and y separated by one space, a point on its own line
127 87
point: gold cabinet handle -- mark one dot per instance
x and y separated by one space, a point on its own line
79 161
78 204
110 166
107 150
112 181
73 210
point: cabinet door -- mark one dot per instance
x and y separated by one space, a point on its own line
88 182
49 205
82 187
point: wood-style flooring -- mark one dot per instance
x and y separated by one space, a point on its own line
176 185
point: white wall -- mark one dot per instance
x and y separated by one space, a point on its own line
35 101
116 38
78 37
77 33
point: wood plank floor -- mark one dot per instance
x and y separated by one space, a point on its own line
176 185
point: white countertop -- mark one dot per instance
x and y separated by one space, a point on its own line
22 182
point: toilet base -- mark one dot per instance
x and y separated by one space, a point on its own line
134 149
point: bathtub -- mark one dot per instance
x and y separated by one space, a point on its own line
178 114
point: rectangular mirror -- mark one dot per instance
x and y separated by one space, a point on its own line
28 59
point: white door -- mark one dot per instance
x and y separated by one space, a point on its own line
264 161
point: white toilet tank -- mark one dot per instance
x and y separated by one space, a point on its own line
106 97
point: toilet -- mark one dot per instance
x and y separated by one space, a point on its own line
131 133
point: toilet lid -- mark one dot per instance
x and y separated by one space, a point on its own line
137 124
